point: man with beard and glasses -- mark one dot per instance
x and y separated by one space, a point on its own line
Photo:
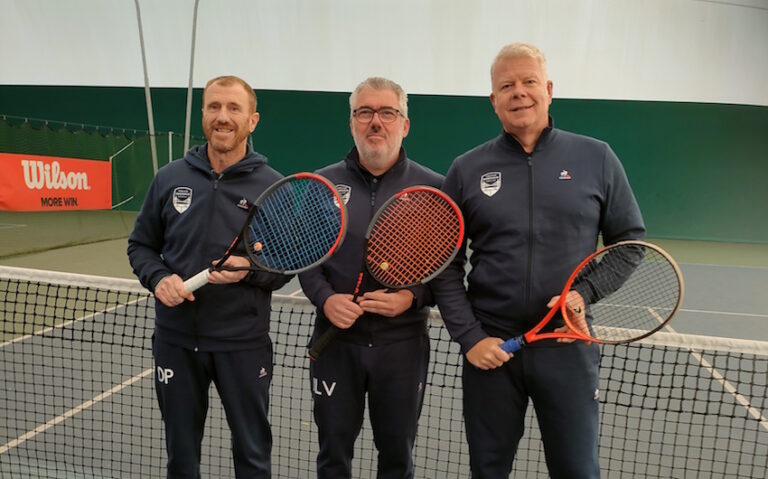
382 349
220 334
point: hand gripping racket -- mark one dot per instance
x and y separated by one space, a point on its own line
410 240
296 224
631 289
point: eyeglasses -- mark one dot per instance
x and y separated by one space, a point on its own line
386 114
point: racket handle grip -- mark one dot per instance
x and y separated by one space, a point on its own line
319 346
197 281
513 345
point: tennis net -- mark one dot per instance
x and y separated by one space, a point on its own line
77 396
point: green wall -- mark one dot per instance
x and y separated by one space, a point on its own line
697 169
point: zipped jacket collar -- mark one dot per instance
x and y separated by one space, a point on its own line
197 157
544 139
353 162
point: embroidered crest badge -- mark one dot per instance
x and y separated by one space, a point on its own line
182 198
490 183
344 192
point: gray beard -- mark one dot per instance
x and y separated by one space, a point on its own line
378 160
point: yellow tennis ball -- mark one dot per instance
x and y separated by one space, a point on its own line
384 266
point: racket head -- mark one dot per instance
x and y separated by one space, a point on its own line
297 223
633 289
413 237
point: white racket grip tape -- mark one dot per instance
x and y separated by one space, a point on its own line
197 281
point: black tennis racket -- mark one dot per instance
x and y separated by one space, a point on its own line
409 241
628 290
296 224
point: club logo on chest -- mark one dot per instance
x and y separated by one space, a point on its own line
344 192
182 198
490 183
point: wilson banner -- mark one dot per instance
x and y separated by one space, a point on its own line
44 183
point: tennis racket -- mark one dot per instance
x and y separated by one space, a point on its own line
294 225
630 290
410 240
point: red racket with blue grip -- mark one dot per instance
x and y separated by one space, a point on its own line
626 291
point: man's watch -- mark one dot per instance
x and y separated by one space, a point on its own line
414 303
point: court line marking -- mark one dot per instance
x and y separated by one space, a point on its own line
65 323
733 266
718 377
82 406
724 313
76 410
10 226
697 311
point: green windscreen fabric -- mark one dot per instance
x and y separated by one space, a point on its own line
697 169
129 153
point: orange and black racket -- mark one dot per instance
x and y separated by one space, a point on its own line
409 241
628 290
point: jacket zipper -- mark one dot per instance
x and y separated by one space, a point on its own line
216 178
530 233
374 185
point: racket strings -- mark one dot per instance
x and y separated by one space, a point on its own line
635 290
297 225
412 239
